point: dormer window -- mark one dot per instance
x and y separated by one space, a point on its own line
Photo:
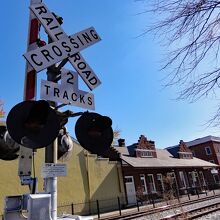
184 152
185 155
145 148
145 153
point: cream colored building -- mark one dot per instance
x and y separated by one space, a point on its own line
89 178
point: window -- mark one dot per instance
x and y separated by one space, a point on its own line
202 178
173 179
185 155
216 178
143 184
160 182
182 179
150 180
145 153
128 179
212 161
208 150
194 154
193 178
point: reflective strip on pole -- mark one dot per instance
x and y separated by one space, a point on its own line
30 73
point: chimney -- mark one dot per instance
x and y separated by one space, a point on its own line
121 142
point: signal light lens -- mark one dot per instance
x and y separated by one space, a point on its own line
33 124
94 132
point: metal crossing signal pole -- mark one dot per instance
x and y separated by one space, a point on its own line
52 149
25 156
30 94
51 182
51 156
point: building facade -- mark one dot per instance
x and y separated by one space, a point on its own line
208 149
147 170
88 179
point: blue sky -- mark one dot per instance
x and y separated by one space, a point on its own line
131 92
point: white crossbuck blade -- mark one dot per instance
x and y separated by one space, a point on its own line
63 47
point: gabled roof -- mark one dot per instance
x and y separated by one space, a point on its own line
182 147
164 160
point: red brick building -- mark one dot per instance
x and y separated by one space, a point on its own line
146 168
207 148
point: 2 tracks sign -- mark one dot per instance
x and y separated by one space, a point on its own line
67 92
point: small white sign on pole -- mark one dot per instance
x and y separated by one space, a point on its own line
53 170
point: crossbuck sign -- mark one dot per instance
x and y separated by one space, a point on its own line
63 47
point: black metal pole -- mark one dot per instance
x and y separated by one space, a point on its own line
72 208
98 210
119 206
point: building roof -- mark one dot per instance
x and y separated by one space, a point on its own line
164 160
199 141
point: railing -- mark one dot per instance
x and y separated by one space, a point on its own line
151 201
93 207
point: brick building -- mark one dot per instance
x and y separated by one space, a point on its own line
145 168
206 148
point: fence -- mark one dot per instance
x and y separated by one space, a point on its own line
152 200
93 207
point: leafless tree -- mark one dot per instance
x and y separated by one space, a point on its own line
168 195
116 135
191 30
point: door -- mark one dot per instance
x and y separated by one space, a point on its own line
130 189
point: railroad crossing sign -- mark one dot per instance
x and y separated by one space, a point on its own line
63 47
67 92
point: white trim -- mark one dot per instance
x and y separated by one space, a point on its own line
184 152
154 187
142 177
145 150
161 179
208 147
126 177
182 177
201 176
215 179
146 153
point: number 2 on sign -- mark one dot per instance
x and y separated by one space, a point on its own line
70 78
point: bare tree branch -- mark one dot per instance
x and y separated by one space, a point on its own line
191 29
